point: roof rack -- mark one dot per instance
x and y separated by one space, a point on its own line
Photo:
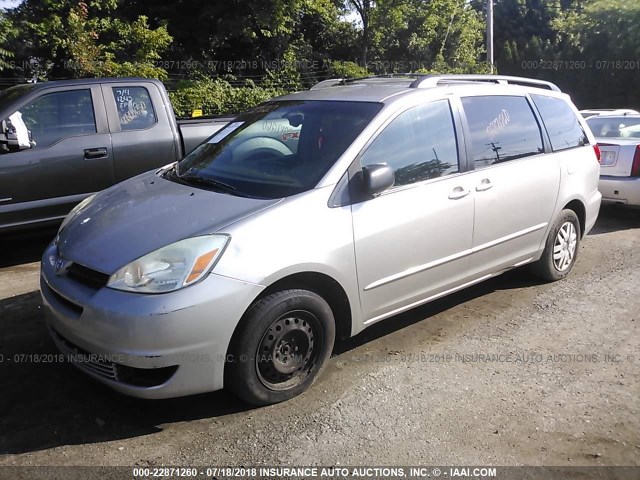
428 81
332 82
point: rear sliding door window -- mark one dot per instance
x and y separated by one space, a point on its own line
502 128
419 144
562 125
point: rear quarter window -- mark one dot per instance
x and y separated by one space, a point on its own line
561 123
502 128
135 109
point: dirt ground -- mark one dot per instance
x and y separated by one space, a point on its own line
509 372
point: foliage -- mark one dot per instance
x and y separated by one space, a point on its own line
86 39
7 32
406 35
579 44
340 69
217 96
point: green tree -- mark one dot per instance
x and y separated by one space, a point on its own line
7 32
86 38
439 35
604 35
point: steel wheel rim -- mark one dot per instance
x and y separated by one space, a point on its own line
288 350
564 247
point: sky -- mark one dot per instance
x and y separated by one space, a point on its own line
10 3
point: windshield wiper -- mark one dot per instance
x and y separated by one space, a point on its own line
206 181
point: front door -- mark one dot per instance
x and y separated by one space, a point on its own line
412 242
70 156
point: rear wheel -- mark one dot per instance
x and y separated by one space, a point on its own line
280 347
561 248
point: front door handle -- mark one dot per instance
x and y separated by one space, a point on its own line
458 192
485 184
95 153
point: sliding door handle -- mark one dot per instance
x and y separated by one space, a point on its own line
458 192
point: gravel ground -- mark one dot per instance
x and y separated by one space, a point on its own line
509 372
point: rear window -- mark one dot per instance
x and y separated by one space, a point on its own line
562 125
502 128
135 110
615 127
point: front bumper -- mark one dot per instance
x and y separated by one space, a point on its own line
620 189
148 346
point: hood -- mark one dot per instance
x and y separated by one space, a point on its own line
143 214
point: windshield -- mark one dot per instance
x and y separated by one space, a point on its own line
615 127
277 149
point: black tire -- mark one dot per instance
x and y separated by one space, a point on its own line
548 268
280 347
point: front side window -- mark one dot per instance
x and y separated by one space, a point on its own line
562 125
135 110
419 144
277 149
502 128
55 116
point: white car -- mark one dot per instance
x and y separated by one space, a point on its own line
596 112
619 141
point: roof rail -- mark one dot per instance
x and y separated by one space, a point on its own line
332 82
427 81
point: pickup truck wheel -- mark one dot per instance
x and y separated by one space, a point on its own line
280 347
561 248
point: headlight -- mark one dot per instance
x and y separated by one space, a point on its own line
76 210
172 267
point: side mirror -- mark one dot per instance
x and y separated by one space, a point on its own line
15 136
377 178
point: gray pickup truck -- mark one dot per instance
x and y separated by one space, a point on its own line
61 141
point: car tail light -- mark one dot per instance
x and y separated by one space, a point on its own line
635 167
596 148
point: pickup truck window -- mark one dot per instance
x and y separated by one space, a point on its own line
277 149
59 115
135 109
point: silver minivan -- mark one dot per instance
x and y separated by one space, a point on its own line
310 218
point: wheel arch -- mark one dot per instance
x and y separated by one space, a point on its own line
320 283
577 206
325 286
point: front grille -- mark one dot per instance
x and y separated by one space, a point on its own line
102 366
87 276
74 307
85 360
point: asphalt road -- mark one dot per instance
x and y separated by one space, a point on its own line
509 372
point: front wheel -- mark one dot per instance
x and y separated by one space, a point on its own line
561 248
280 347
